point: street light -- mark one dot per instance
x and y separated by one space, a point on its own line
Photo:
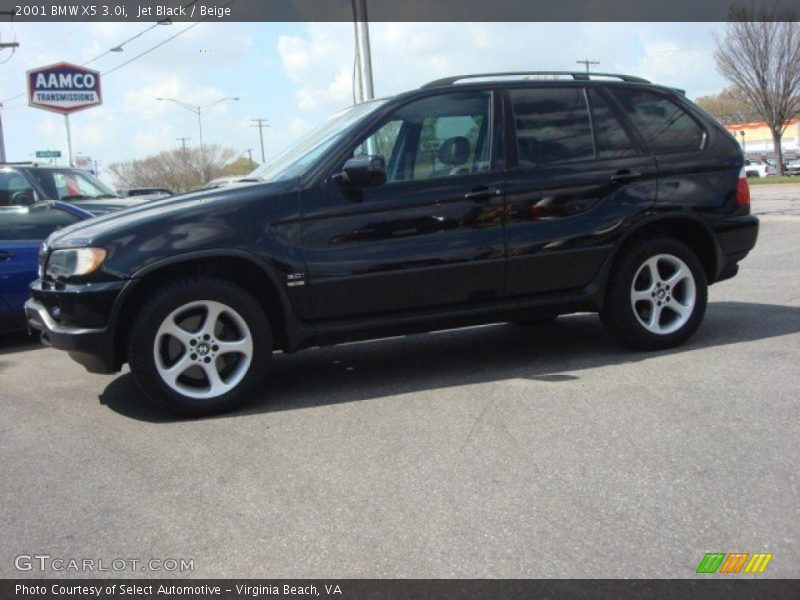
198 110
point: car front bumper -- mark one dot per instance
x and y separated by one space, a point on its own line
79 322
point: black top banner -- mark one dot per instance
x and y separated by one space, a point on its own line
392 10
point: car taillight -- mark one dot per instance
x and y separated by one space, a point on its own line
743 192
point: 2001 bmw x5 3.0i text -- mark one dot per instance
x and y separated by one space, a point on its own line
471 200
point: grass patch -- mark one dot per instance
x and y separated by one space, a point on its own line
771 179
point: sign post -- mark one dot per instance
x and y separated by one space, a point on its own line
69 139
64 88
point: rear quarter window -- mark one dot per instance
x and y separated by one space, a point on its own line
665 127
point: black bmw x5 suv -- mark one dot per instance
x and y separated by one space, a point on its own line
471 200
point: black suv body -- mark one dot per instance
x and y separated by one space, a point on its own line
454 204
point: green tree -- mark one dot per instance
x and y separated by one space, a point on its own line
729 107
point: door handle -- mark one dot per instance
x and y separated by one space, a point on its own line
625 175
6 255
482 194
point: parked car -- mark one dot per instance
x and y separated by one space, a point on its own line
22 230
32 182
758 168
471 200
792 167
145 191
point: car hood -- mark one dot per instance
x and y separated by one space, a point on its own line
102 206
151 212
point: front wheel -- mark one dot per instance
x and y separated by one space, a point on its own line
199 347
656 295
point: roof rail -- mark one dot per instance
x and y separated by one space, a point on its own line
576 75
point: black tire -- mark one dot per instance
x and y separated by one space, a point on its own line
618 314
145 326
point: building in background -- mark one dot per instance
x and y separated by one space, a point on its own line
757 139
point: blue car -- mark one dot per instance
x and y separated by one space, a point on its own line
22 230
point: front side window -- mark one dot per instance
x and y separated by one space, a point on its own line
440 136
15 189
665 126
552 125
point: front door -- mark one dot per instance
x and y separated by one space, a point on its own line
432 235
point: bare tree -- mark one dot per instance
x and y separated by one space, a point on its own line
760 55
177 170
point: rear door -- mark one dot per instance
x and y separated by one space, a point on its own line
697 166
432 235
577 172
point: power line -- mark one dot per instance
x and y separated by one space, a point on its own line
118 47
172 37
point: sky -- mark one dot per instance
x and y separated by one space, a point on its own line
297 74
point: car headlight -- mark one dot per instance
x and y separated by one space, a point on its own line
74 262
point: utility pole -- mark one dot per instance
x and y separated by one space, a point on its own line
2 138
183 141
3 46
96 168
260 123
587 62
250 154
365 89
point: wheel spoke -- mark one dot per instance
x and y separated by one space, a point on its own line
171 328
652 267
243 346
642 295
654 324
679 275
680 309
213 312
171 374
215 383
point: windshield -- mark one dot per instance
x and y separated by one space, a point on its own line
72 184
303 153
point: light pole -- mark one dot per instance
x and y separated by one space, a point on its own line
198 110
363 55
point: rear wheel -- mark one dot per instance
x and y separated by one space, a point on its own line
656 295
199 347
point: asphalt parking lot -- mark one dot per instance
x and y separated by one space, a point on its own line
498 451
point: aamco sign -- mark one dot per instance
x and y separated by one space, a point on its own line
64 88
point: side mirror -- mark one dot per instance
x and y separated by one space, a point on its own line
364 171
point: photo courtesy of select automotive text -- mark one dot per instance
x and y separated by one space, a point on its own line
399 300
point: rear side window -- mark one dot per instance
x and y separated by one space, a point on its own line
611 137
32 223
665 126
552 126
